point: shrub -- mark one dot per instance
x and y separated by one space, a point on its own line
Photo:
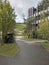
43 30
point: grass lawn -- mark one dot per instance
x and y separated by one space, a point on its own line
8 50
45 45
28 39
19 27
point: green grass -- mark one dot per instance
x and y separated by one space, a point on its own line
19 27
29 39
8 50
45 45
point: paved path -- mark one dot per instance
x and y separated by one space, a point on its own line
30 54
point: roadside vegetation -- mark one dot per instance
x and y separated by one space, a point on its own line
8 50
7 18
45 45
39 30
29 39
7 25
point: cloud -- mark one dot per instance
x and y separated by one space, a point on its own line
21 6
19 19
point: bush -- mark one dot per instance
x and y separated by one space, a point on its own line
43 30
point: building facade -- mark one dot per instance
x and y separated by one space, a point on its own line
35 15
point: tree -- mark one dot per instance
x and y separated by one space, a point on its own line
43 30
7 18
29 26
45 5
0 14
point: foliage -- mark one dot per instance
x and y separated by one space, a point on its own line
45 45
29 26
7 18
0 15
43 30
45 4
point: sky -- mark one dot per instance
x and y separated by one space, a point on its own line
21 7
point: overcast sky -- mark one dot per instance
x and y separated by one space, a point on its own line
21 7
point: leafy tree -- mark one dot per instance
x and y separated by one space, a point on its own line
45 5
7 18
0 14
44 24
29 27
43 30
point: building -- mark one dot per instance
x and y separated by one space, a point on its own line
30 12
35 13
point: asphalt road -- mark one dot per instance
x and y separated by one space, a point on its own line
29 54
